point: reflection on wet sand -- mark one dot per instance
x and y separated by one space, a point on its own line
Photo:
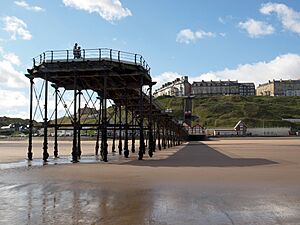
192 185
38 204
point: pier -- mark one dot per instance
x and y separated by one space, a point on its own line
100 77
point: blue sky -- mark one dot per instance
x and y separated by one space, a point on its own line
233 39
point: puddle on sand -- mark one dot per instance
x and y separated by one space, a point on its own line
113 158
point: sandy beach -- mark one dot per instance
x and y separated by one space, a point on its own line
220 181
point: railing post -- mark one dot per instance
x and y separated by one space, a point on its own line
51 56
44 57
83 54
141 59
33 62
119 56
99 54
40 59
67 55
135 59
110 54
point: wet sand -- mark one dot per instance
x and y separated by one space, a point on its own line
222 181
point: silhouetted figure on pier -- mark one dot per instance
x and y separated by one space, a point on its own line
76 51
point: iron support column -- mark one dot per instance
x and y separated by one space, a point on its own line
146 138
126 151
120 130
74 149
154 136
104 144
114 130
142 143
55 128
168 136
133 134
29 153
158 135
99 125
164 137
45 144
151 144
171 136
79 125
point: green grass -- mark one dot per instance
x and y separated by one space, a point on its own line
226 111
222 111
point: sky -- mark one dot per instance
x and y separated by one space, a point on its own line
249 41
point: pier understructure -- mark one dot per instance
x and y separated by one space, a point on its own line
118 87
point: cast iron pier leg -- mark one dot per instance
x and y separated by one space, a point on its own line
142 143
168 136
164 137
29 153
120 130
133 134
56 128
154 136
99 125
79 125
126 151
114 130
74 148
158 135
45 144
104 148
151 144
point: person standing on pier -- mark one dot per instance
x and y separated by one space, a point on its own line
77 51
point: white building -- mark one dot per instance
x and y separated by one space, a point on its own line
178 87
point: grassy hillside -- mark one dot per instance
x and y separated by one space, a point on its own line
5 121
225 111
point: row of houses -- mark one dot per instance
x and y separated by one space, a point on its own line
182 87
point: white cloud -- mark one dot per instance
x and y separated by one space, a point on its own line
164 78
289 18
187 35
221 20
282 67
222 34
13 113
110 10
25 5
257 28
11 99
16 27
9 76
12 58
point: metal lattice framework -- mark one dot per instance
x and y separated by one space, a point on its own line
99 76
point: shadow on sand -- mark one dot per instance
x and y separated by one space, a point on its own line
200 155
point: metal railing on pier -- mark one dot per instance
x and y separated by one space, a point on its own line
90 55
